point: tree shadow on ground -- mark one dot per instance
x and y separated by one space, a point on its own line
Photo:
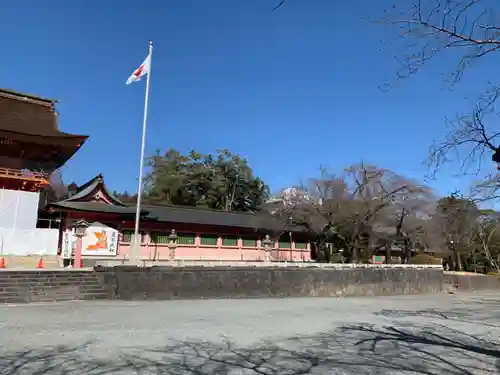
404 345
477 311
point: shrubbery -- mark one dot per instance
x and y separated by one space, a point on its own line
425 259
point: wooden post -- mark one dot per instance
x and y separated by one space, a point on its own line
78 253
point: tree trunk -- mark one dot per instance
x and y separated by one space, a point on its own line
321 251
387 254
458 262
354 254
328 253
454 258
406 252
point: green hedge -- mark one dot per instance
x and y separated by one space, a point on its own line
425 259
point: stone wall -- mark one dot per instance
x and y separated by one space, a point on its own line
460 282
45 285
160 283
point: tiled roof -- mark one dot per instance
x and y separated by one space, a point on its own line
188 215
29 114
89 187
191 215
93 207
23 96
169 213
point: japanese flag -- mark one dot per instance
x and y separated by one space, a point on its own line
140 71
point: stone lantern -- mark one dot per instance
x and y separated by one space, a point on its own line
80 227
267 247
172 244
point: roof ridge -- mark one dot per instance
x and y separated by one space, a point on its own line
60 134
23 96
88 183
88 187
189 215
197 208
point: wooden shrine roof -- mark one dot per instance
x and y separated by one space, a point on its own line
30 114
93 196
29 133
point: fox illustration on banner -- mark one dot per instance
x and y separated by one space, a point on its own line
99 241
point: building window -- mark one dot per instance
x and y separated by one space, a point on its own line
160 238
5 141
284 242
208 240
249 242
301 245
230 241
186 239
128 234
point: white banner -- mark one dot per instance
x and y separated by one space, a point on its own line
68 244
99 241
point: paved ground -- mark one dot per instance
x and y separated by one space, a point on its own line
438 334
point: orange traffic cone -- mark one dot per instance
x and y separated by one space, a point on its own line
40 263
2 262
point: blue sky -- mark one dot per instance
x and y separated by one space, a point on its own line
290 90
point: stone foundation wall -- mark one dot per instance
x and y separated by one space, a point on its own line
163 283
457 282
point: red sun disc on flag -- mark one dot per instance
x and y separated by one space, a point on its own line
138 72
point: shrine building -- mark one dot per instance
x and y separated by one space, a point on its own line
32 223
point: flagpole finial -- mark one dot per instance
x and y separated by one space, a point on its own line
150 42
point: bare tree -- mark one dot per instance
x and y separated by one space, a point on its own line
407 215
465 31
279 4
348 211
457 219
486 189
377 192
57 187
486 231
469 138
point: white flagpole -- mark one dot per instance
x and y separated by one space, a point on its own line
136 245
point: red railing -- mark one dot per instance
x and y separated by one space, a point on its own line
23 174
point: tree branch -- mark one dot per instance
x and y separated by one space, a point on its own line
429 28
279 4
468 138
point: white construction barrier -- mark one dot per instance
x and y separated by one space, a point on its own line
18 209
28 242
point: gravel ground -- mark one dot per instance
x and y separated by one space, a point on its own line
433 334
